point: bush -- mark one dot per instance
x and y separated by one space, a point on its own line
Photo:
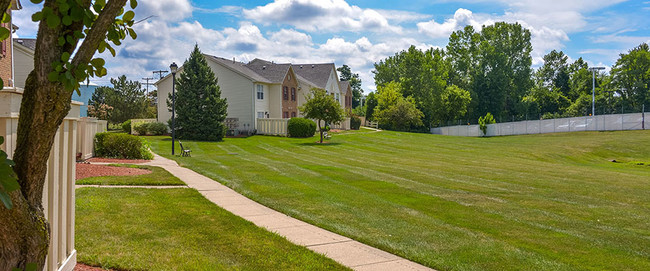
126 126
355 123
484 121
301 127
141 128
157 128
123 146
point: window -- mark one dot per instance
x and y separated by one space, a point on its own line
337 97
260 115
260 92
293 94
293 114
285 93
285 115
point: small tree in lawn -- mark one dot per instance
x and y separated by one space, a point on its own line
200 110
322 107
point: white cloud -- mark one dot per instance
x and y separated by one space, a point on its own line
462 17
321 15
166 10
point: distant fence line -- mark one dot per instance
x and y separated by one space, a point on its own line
280 127
614 122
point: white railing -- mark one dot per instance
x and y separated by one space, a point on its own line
278 127
86 130
615 122
59 190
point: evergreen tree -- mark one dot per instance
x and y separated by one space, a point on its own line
126 98
355 84
200 110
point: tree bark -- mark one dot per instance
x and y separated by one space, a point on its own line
24 231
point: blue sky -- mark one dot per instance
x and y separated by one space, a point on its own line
360 33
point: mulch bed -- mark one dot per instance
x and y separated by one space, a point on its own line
83 267
89 170
115 161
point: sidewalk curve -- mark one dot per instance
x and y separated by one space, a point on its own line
342 249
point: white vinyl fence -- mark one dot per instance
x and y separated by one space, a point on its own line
278 127
87 128
615 122
59 193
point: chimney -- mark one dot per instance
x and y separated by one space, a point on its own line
233 60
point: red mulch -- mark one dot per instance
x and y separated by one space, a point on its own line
83 267
115 161
90 170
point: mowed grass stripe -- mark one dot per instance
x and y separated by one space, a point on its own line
542 202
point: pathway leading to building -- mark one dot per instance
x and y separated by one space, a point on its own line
344 250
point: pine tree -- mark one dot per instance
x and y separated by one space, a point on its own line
200 110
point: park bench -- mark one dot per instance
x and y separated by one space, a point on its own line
185 152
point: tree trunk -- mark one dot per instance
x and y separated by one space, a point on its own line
321 132
25 234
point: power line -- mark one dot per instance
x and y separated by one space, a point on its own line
160 73
147 83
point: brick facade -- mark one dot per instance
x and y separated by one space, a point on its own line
289 96
6 67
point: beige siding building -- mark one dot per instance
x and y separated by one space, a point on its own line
261 89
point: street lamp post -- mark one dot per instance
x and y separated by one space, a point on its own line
173 67
593 89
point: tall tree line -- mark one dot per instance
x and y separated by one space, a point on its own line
490 71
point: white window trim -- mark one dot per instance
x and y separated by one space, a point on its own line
257 92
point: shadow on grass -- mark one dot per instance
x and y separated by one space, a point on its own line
318 144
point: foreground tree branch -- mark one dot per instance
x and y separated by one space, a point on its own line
24 232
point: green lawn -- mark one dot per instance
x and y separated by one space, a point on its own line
158 176
177 229
537 202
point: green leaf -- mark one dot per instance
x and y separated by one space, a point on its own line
132 33
128 16
4 33
61 41
31 267
65 56
134 3
67 20
98 62
37 1
53 20
111 49
53 76
38 16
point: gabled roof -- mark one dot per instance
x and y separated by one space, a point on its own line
316 73
269 70
344 85
29 43
240 68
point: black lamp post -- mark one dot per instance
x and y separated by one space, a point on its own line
173 67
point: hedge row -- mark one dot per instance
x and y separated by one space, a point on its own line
122 146
301 127
151 128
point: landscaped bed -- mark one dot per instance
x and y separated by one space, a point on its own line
536 202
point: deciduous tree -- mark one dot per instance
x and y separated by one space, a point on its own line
322 108
355 84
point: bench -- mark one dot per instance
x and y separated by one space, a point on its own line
326 135
185 152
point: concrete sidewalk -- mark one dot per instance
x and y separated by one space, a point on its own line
340 248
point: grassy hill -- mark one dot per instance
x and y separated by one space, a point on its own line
538 202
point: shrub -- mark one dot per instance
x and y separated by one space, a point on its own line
484 121
121 146
355 123
126 126
142 128
301 127
157 128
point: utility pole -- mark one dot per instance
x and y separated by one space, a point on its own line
147 83
160 73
